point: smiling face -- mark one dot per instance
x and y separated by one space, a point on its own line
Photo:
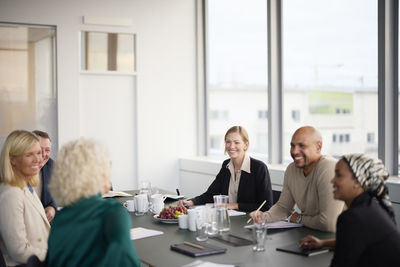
45 145
345 186
235 146
28 164
305 148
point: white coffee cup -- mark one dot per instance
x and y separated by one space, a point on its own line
141 204
183 221
130 205
192 217
157 203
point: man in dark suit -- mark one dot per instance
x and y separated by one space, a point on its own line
41 189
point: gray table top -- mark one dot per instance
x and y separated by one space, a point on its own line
156 251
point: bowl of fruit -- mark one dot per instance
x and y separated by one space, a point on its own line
169 214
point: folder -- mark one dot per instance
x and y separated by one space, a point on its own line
206 249
296 249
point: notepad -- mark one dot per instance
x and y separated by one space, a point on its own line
140 232
207 249
296 249
116 194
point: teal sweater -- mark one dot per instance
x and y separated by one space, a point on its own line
92 232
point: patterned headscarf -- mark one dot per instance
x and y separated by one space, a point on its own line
372 174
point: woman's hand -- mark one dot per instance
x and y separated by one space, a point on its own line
311 242
233 206
185 203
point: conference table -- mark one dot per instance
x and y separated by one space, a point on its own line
155 251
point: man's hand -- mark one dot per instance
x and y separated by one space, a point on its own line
50 213
294 216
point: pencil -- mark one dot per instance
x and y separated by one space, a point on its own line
262 204
193 245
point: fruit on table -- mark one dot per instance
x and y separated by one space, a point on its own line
172 212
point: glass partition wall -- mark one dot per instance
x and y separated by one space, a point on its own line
28 79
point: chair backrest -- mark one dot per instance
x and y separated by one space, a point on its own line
275 196
2 261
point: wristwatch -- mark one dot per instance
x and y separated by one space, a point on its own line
298 219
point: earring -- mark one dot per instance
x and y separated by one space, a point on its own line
355 185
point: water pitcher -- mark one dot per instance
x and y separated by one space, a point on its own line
223 223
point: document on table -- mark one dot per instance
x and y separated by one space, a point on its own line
140 232
235 213
116 194
278 225
199 263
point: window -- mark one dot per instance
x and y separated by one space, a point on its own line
263 115
296 115
28 98
237 64
330 71
108 51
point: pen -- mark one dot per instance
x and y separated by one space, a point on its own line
177 192
193 245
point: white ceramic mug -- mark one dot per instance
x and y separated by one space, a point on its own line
192 217
156 203
141 204
130 205
183 221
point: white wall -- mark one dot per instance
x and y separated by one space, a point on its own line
166 84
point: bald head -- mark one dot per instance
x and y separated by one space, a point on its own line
305 148
310 132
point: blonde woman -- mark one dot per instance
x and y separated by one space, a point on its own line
24 228
245 180
89 230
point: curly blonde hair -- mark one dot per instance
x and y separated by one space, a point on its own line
82 170
17 144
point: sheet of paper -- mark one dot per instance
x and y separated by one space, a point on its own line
236 213
116 194
139 233
200 263
278 225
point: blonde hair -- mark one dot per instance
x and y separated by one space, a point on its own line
17 144
82 170
240 130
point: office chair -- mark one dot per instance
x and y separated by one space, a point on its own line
33 261
2 261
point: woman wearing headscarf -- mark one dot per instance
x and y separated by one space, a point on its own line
89 230
366 232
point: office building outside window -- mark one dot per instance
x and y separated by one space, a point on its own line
330 73
237 67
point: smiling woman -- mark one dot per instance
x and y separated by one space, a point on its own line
245 180
24 227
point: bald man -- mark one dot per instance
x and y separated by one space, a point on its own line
307 184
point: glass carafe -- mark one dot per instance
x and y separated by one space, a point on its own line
223 223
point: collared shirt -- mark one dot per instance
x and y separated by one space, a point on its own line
38 187
235 177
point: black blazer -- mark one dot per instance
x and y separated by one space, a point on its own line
366 235
46 198
254 187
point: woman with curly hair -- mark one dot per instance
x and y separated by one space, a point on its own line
89 230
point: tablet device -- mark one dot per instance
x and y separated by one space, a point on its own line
296 249
233 240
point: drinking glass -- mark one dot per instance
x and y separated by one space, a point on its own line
201 228
259 231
